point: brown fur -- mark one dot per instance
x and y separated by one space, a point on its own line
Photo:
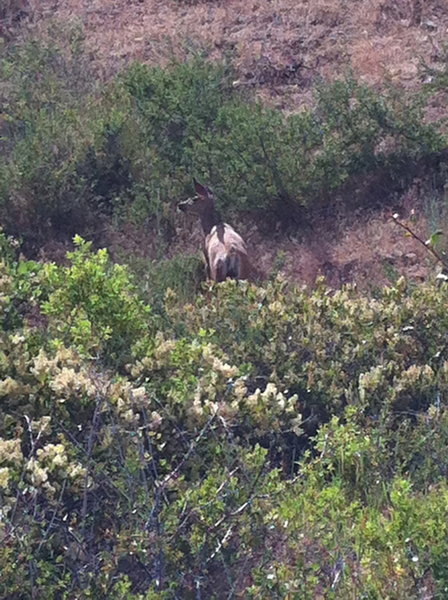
226 254
224 249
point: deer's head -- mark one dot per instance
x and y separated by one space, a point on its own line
202 203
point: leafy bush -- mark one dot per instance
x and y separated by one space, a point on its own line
293 441
196 122
181 276
75 150
58 130
92 303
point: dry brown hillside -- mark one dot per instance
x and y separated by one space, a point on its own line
281 47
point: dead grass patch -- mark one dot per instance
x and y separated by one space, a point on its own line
323 38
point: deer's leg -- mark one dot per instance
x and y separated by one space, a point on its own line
246 270
233 264
207 266
221 269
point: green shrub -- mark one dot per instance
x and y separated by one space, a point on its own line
62 163
196 122
92 304
181 275
76 150
293 440
20 284
335 546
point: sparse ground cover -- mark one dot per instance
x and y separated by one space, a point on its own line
281 47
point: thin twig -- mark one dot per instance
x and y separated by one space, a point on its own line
429 248
46 534
190 451
90 444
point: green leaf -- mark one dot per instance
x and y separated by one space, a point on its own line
434 239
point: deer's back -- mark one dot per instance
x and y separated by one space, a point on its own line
223 245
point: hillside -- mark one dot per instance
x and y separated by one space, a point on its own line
280 47
280 50
164 437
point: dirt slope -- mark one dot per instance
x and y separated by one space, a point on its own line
281 47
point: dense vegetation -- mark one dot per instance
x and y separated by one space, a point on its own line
255 442
73 150
261 442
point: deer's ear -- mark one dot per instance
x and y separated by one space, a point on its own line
200 189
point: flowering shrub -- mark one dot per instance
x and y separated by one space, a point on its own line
293 440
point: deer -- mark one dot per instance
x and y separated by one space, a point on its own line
224 249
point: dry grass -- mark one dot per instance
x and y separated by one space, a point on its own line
370 252
281 47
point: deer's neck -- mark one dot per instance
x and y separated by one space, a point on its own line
209 219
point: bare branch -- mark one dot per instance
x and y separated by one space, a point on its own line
419 239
